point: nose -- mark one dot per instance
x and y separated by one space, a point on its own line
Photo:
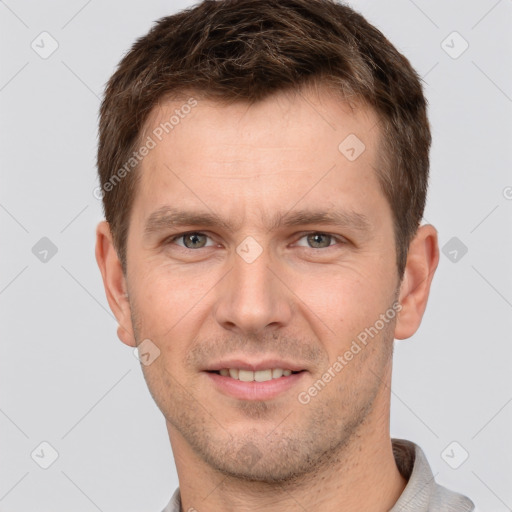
252 298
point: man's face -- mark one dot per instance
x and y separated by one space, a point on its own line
269 286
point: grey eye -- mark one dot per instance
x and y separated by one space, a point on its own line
194 240
319 240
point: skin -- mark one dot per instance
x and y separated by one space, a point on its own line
297 302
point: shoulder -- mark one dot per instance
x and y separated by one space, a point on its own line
422 493
446 500
175 504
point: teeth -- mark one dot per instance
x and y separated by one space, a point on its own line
263 375
258 376
245 375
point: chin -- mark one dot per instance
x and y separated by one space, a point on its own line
265 472
277 461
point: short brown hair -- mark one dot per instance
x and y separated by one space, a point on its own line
245 50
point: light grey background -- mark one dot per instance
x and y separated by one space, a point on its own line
67 380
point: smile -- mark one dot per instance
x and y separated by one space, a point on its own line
254 385
256 376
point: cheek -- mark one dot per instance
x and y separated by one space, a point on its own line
167 299
169 309
343 302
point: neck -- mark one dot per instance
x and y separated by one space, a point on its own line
362 475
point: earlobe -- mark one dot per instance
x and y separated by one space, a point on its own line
125 336
114 282
422 261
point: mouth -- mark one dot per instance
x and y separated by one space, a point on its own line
255 376
265 380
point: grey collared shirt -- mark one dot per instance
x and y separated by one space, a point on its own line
421 494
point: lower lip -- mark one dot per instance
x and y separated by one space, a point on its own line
254 390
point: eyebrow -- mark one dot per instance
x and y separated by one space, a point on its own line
168 216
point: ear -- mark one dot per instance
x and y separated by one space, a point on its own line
114 282
422 260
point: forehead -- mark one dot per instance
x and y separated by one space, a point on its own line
306 146
309 112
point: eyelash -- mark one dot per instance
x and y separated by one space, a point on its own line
339 239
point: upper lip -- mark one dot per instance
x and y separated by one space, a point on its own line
244 364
